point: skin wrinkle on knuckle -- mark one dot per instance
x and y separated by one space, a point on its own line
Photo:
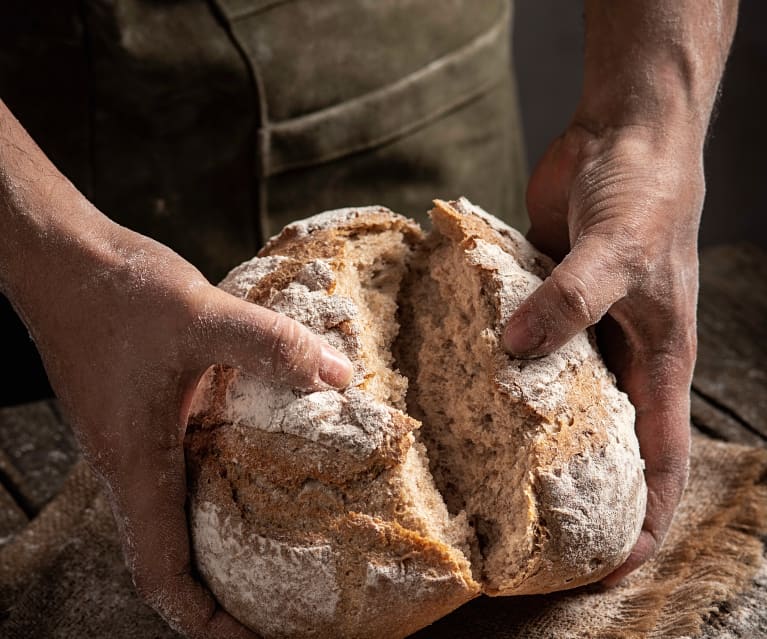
656 539
292 353
574 298
622 218
610 170
665 486
605 184
670 465
658 518
670 354
615 170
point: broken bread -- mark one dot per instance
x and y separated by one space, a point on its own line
446 469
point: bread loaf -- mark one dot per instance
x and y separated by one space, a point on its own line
445 470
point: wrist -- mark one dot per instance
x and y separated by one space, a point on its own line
50 232
664 106
54 237
654 64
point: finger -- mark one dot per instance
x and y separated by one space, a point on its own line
577 294
664 439
658 385
666 476
149 499
263 342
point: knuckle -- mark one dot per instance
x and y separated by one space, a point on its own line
670 470
292 352
573 297
667 475
653 541
672 348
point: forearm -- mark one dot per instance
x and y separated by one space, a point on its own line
47 225
617 198
654 62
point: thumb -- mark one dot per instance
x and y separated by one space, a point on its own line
576 295
263 342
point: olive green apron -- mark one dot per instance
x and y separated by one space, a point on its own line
392 103
210 125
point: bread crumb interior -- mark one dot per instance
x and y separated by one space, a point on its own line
375 267
447 348
375 264
429 349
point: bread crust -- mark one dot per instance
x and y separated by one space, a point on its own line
315 515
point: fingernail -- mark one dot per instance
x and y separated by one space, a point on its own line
335 368
520 339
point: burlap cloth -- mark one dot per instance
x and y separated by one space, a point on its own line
62 574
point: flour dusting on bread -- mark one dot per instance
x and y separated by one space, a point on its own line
231 557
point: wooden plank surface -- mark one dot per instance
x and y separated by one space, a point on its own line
729 390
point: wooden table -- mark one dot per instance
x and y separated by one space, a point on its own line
729 390
729 402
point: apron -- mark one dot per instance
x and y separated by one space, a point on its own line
208 125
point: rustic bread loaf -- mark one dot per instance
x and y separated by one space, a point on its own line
444 470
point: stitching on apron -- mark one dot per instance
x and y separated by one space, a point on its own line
260 152
480 55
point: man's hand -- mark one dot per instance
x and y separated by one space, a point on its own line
126 328
125 338
622 209
617 199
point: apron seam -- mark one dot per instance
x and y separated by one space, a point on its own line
414 77
258 153
254 11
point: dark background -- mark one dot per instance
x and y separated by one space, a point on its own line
548 40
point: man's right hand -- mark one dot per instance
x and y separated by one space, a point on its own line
125 340
126 327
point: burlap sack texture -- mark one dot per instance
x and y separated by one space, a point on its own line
62 575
